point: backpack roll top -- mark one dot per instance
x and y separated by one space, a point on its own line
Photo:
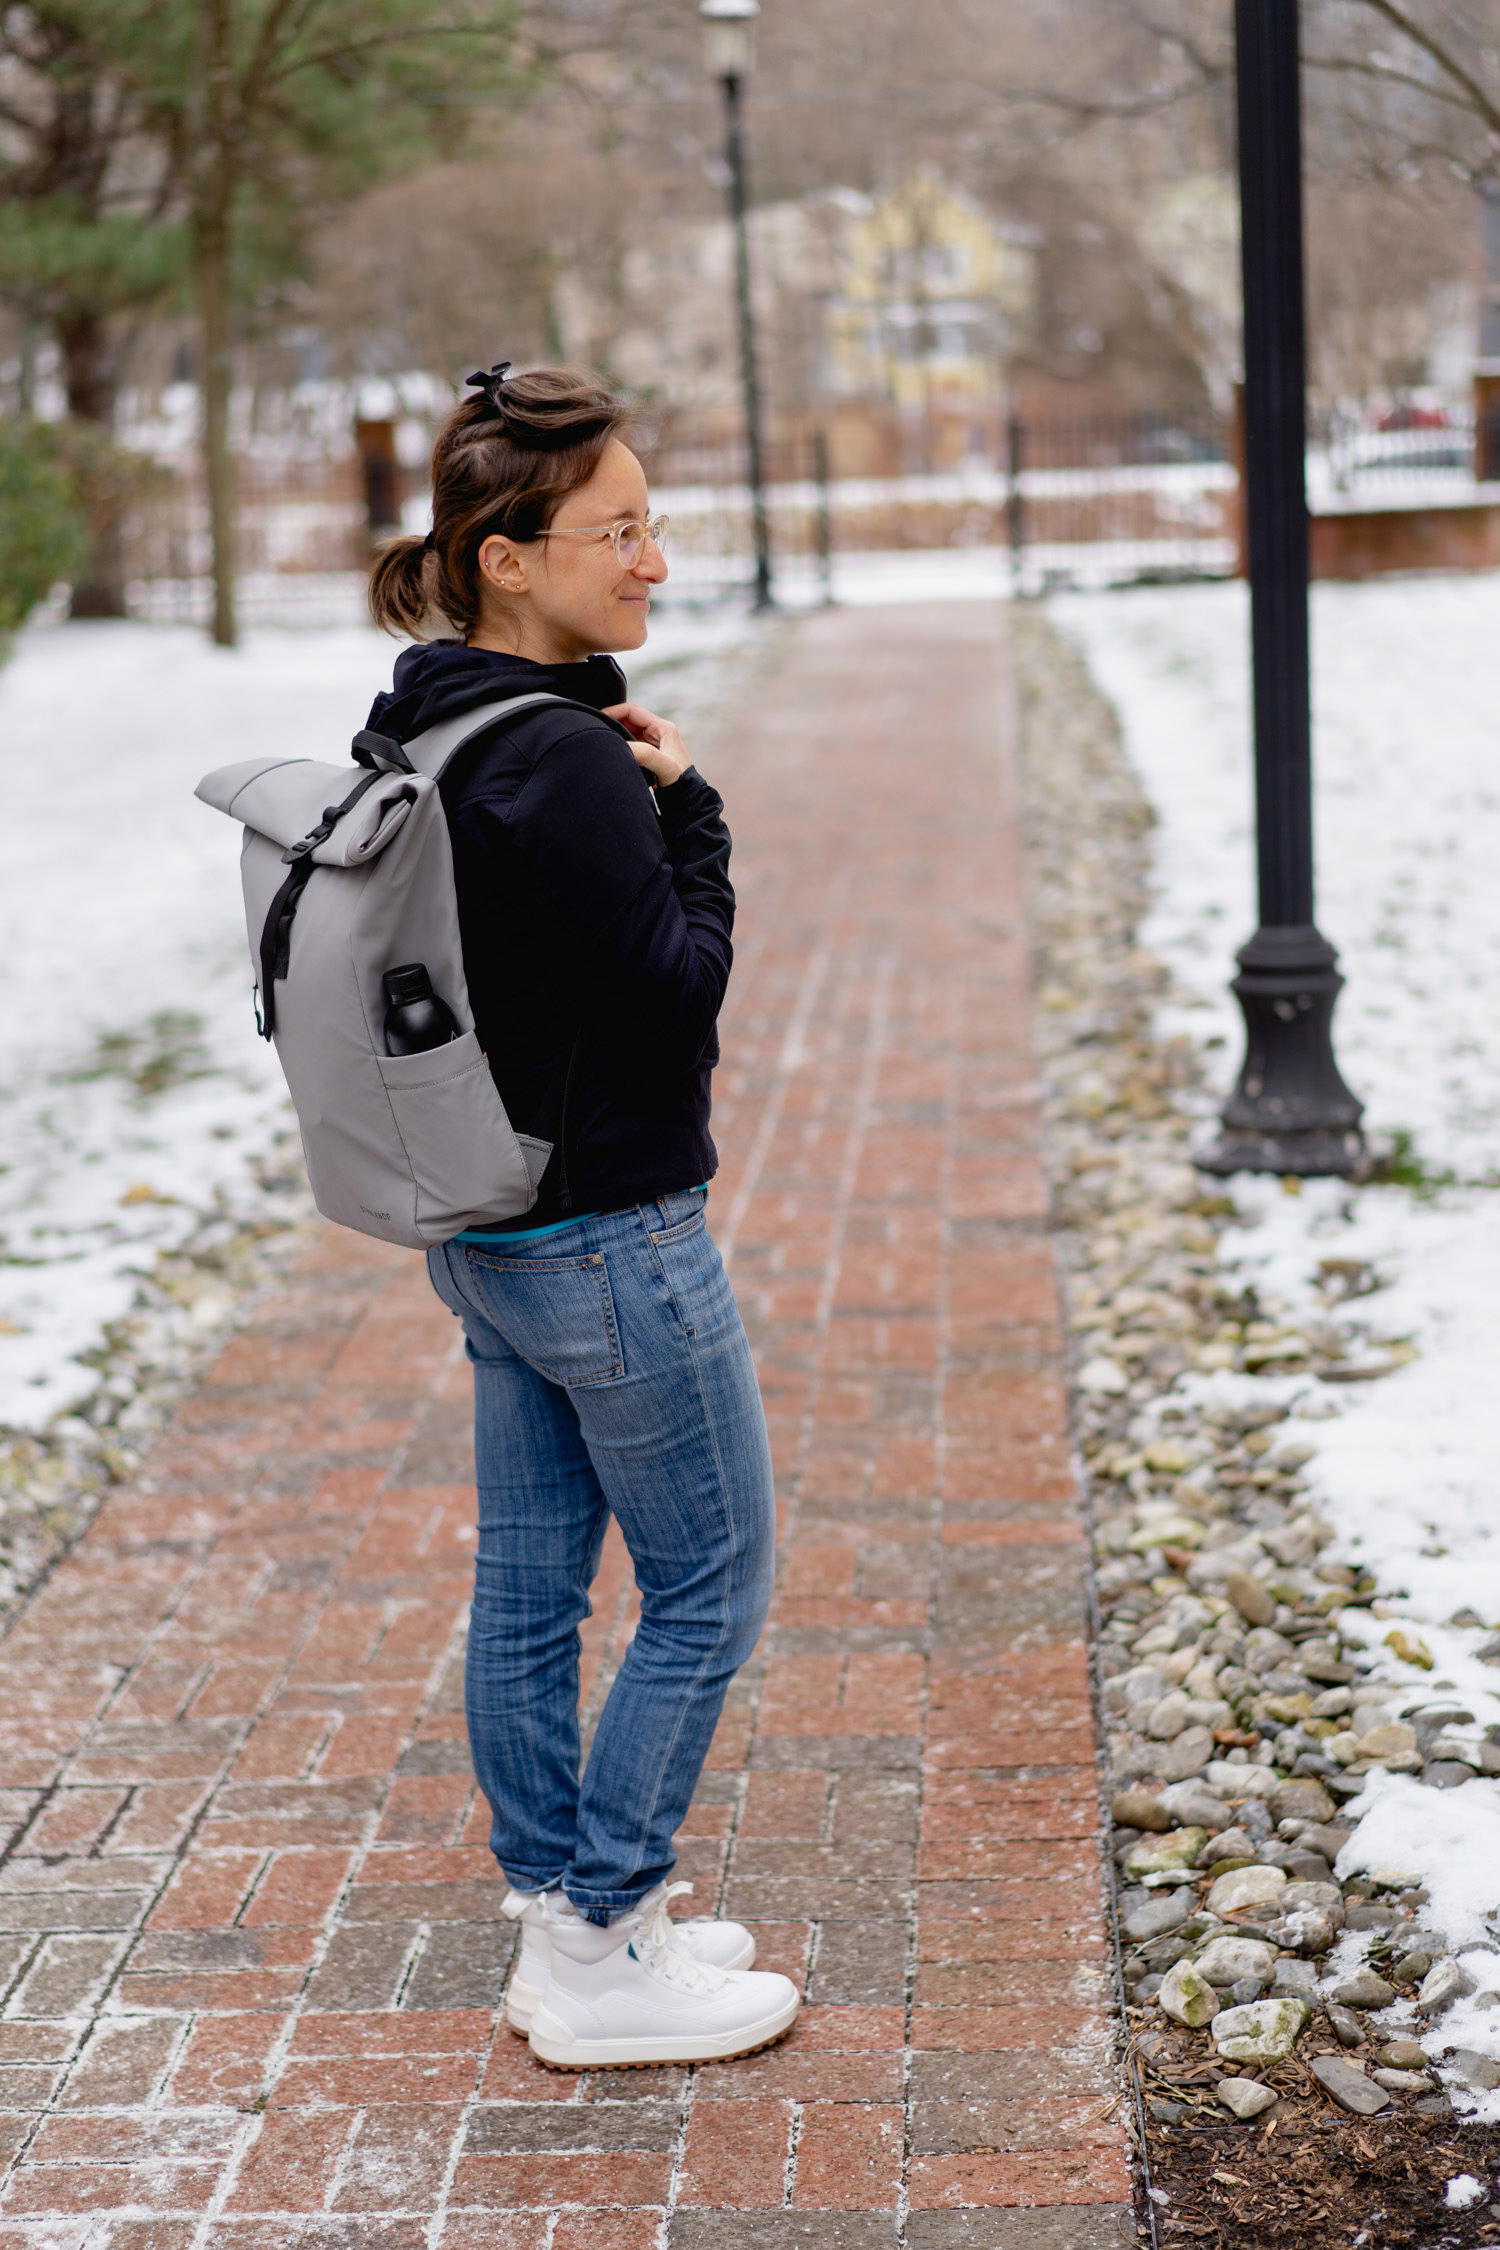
347 873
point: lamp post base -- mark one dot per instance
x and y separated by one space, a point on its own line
1290 1111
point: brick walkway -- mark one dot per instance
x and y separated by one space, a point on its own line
249 1949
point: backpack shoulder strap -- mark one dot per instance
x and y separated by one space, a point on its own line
431 751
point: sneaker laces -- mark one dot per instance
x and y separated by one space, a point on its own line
657 1943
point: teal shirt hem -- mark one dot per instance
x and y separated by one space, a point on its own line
535 1234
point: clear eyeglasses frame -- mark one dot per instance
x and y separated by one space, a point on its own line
628 539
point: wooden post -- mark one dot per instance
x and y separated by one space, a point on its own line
1487 422
380 474
824 514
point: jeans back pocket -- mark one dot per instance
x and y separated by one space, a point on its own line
557 1313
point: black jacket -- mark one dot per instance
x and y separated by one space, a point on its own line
596 917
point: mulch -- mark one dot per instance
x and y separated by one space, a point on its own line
1306 2176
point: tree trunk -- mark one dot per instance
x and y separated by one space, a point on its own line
211 261
89 378
212 274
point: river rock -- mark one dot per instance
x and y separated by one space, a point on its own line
1307 1931
1445 1982
1446 1773
1325 1897
1141 1686
1137 1808
1236 1782
1371 1914
1348 2028
1264 2031
1190 1805
1158 1916
1246 1886
1255 1602
1231 1843
1224 1960
1186 1997
1266 1651
1402 2054
1321 1661
1295 1980
1179 1760
1302 1799
1327 1839
1482 2072
1384 1744
1364 1990
1403 2081
1160 1855
1166 1719
1348 2085
1244 2097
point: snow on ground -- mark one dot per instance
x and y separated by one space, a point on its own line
1407 760
134 1094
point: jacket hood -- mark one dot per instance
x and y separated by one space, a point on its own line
438 679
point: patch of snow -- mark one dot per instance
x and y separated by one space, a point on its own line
134 1092
1464 2190
1446 1840
1407 803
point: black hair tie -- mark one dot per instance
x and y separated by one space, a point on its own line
429 544
491 384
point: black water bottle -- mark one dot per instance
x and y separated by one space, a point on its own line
415 1018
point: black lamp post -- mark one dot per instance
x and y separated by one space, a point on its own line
1290 1111
729 25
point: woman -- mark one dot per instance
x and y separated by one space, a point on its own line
611 1370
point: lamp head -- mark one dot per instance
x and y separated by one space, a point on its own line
730 28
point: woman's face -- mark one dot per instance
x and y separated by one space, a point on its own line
559 599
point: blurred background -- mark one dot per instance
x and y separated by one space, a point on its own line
247 250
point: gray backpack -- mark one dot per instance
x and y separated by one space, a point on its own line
341 884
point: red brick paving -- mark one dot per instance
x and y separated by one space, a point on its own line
249 1940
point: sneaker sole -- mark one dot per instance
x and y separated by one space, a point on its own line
560 2052
521 1999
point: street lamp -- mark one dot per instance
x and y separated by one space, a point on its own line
1290 1111
729 28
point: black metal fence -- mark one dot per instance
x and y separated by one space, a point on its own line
1047 501
1091 500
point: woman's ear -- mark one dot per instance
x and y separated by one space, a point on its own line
501 565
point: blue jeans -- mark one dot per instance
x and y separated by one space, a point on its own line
611 1376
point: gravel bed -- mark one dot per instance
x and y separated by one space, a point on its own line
1265 1995
52 1480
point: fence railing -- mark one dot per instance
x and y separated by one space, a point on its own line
1350 467
1045 501
1093 500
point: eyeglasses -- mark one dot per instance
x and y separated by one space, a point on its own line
628 539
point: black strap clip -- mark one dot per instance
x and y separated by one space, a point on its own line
276 931
382 752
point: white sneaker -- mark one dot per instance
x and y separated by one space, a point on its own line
630 1995
724 1945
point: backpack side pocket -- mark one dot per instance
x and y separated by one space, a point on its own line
463 1155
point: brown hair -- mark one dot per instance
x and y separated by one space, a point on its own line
503 462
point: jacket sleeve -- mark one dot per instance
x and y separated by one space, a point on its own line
642 886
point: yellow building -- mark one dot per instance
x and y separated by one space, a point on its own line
931 293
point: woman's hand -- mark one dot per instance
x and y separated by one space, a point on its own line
657 744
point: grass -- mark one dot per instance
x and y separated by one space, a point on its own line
1401 1165
167 1050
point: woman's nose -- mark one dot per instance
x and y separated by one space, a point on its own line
651 564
